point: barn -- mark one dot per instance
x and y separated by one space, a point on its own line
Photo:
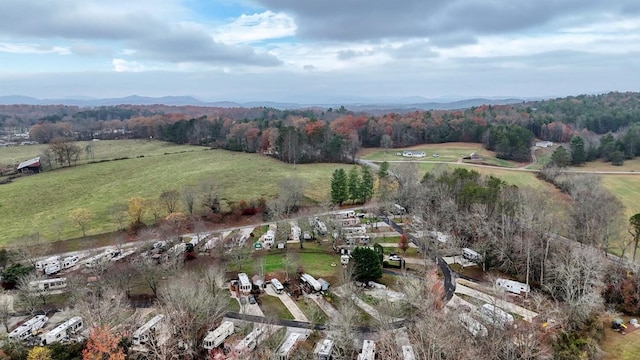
30 166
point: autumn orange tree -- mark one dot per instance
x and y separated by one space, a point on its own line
136 208
102 345
81 217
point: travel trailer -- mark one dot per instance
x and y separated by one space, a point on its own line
28 328
146 331
513 286
62 331
216 337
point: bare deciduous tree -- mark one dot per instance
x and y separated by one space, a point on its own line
170 199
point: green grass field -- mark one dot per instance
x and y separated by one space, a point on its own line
104 149
448 152
42 203
315 260
273 306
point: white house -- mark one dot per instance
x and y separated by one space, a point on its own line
544 144
417 154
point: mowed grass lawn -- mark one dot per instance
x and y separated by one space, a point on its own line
314 259
447 152
627 189
42 203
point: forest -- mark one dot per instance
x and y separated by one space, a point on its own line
606 123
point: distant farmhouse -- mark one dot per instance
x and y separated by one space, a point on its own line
474 157
30 166
544 144
418 154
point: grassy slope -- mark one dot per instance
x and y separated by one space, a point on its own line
105 149
35 203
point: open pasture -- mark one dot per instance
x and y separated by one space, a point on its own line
42 203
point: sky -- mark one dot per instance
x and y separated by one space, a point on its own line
312 51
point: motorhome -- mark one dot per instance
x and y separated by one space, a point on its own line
513 286
244 283
216 337
277 286
42 264
311 281
52 269
146 331
28 328
250 341
99 259
269 238
496 316
288 346
70 261
471 255
345 214
62 331
49 284
295 232
357 239
368 351
324 350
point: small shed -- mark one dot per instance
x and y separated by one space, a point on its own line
475 156
30 166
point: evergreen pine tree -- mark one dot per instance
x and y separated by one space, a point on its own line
353 184
366 185
339 190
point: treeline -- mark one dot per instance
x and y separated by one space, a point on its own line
334 135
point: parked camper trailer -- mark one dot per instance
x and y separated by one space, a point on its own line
52 269
250 341
345 214
146 331
100 259
472 325
311 281
513 286
324 350
368 351
70 261
42 264
295 232
123 255
244 283
288 345
62 331
277 286
216 337
320 227
399 210
496 316
471 255
407 353
355 230
28 328
49 284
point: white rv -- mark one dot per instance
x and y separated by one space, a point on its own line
513 286
70 261
368 351
311 281
62 331
28 328
496 316
49 284
42 264
288 345
218 336
146 331
277 286
250 341
52 269
320 227
324 350
345 214
244 283
471 255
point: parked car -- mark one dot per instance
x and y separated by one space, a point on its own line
307 236
252 299
394 257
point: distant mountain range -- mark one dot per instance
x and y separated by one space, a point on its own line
372 105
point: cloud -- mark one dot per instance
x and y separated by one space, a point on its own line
256 27
382 19
121 65
16 48
150 36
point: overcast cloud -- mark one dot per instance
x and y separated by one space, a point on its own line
311 51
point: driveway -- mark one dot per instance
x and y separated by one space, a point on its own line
526 314
325 306
293 308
